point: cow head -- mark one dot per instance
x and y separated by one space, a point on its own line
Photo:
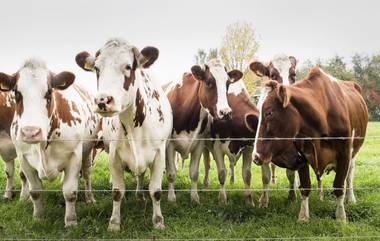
32 88
281 69
117 65
214 81
278 118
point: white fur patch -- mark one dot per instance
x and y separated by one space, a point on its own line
237 87
282 64
263 95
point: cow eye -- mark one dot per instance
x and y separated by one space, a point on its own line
208 83
128 67
48 96
18 96
268 114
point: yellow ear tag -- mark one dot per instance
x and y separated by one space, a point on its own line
4 87
88 66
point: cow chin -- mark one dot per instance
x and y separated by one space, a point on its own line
108 113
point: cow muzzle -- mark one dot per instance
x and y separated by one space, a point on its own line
259 160
31 134
105 106
225 114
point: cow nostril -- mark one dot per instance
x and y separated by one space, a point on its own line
102 106
109 99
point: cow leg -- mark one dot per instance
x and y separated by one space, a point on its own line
265 177
70 189
140 187
339 185
246 174
320 189
86 172
292 196
9 173
194 172
305 186
232 171
274 176
24 195
35 188
350 196
221 167
171 171
155 184
206 160
118 190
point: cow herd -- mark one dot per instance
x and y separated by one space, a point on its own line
53 125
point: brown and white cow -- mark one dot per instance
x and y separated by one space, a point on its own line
235 127
282 69
140 119
52 130
7 149
322 108
196 99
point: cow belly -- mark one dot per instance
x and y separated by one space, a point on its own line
185 142
7 149
136 158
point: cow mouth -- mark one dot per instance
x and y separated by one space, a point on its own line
106 113
31 140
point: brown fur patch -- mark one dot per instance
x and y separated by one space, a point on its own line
6 111
140 109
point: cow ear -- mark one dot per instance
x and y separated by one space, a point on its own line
284 95
251 121
7 82
293 61
259 69
235 75
85 61
198 72
62 80
146 57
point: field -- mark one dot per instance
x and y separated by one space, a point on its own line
210 220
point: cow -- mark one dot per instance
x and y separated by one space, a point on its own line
7 149
282 69
225 132
139 119
196 99
319 111
53 131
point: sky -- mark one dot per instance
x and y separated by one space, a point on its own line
57 30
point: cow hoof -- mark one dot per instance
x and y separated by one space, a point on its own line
71 224
264 201
140 196
195 198
321 196
158 223
292 196
171 196
222 198
249 201
8 196
351 199
90 198
206 182
274 180
113 227
303 219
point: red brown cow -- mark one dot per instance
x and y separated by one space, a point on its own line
322 108
199 97
7 149
283 70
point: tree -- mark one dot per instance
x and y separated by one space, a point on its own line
202 56
239 46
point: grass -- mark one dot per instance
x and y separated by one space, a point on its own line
210 220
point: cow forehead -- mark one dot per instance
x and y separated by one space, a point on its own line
115 52
282 64
33 75
218 70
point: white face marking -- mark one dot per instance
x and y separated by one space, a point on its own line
332 78
263 95
282 64
217 69
112 63
33 86
237 87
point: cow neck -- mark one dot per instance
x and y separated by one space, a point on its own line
7 108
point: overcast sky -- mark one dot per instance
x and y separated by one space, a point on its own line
57 30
